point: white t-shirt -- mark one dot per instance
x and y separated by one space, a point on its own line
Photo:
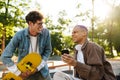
33 44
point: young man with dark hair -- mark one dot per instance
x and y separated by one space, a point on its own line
35 38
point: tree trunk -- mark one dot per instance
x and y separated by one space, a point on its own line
3 38
92 20
4 25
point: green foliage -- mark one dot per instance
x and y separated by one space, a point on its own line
57 37
68 43
114 27
2 4
56 41
107 32
11 17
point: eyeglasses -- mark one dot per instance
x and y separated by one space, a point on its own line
39 24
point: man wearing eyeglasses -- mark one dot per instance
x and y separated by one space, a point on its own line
35 38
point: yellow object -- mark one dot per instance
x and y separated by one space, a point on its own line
28 63
11 76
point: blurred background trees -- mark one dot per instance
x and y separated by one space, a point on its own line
11 12
105 32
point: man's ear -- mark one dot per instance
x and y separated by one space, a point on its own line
30 23
84 33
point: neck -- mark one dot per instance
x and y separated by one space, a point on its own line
82 41
32 33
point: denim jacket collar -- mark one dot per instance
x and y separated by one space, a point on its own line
27 32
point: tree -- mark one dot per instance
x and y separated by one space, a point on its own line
89 17
68 43
56 35
92 20
64 22
110 30
57 32
115 27
10 17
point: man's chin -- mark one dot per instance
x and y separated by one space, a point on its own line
39 32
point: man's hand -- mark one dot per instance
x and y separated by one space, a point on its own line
69 59
26 74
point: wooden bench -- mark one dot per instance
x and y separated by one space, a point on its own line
50 63
53 66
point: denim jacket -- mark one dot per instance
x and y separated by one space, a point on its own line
21 43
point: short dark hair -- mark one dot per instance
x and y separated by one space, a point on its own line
33 16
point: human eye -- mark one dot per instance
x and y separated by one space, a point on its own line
39 24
